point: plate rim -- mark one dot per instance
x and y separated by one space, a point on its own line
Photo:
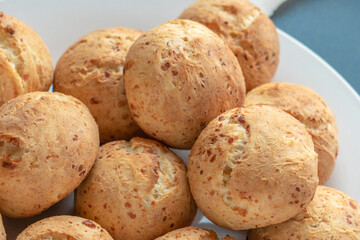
308 50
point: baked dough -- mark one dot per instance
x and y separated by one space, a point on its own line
247 30
330 215
192 233
92 71
2 230
136 190
178 77
311 110
253 167
26 64
48 143
64 228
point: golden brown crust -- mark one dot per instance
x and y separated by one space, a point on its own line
330 215
2 230
178 77
253 167
92 71
228 238
190 233
247 30
136 190
25 60
64 228
310 109
48 143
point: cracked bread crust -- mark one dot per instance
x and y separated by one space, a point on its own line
253 167
48 143
92 71
178 77
330 215
250 34
192 233
136 190
311 110
2 230
25 60
64 228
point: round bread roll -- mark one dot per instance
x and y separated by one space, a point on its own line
136 190
48 143
252 167
26 64
192 233
330 215
311 110
178 77
2 230
250 34
63 228
92 71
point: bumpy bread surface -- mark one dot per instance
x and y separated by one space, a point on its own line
136 190
178 77
26 64
247 30
311 110
64 228
252 167
2 230
92 71
192 233
48 143
330 215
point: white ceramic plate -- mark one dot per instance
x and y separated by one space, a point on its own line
60 23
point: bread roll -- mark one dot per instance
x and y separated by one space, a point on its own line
136 190
26 64
311 110
192 233
330 215
250 34
178 77
48 143
92 71
64 228
253 167
2 230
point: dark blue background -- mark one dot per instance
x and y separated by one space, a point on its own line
331 28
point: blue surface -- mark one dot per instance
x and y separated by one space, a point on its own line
331 28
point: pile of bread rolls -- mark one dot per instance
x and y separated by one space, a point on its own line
259 150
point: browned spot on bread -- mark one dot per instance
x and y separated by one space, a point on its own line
89 223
